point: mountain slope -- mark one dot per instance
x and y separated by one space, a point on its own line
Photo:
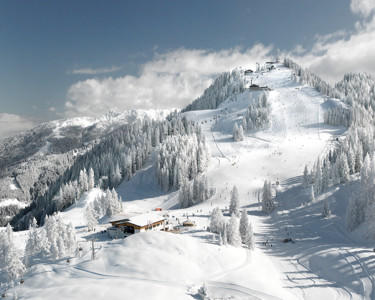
322 261
31 162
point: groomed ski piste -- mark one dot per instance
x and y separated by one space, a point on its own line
323 262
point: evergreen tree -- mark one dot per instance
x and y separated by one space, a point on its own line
234 206
234 237
326 212
33 243
343 168
267 201
90 218
14 266
244 221
217 220
91 179
249 239
312 195
306 180
83 180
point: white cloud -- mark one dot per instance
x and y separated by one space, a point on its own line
11 124
90 71
363 7
175 78
170 80
341 52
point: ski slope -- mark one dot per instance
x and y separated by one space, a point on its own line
324 262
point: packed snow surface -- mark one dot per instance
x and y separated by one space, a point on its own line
323 262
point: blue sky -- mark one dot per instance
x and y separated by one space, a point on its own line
57 56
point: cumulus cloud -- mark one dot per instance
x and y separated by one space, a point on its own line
91 71
11 124
363 7
169 80
175 78
341 52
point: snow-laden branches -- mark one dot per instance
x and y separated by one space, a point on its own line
180 158
235 232
224 86
305 76
258 114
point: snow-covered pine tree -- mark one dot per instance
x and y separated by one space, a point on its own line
268 204
234 237
91 179
326 175
83 180
224 233
318 178
249 239
234 205
61 237
343 168
306 179
90 218
14 266
33 243
244 221
244 124
216 220
235 132
312 194
326 212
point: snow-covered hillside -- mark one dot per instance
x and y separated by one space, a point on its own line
40 156
298 253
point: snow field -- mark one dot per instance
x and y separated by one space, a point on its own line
324 262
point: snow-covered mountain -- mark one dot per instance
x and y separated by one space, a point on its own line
34 159
256 131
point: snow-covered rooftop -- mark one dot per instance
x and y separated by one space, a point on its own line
139 220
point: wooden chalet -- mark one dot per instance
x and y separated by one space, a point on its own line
125 226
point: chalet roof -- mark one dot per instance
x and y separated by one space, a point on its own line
119 217
138 220
145 219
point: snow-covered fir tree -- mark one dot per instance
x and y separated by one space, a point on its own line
326 211
91 179
216 221
246 230
60 238
34 243
257 115
194 192
268 204
234 205
180 157
10 260
306 178
113 203
233 232
90 217
238 134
